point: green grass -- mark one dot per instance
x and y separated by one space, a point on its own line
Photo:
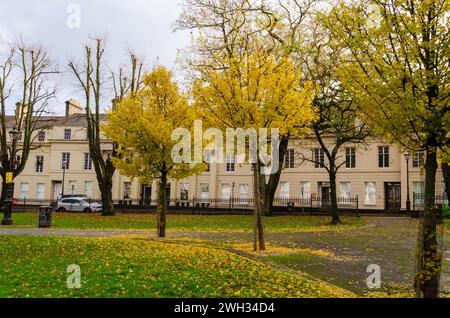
37 267
447 224
187 222
231 223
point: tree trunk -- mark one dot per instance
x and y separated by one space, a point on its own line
3 195
274 179
107 200
334 203
258 230
446 177
429 258
162 206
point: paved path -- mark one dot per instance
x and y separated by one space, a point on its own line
76 233
387 242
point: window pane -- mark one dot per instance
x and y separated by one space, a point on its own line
24 191
230 163
284 190
225 191
88 188
383 157
39 163
184 191
243 191
67 134
305 190
204 192
127 190
350 158
319 158
370 197
40 191
346 190
419 187
289 159
87 161
65 162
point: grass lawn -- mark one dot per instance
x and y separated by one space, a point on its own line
447 224
36 267
206 223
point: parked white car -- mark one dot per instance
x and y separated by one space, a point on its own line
76 204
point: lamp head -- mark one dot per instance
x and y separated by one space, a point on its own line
14 134
407 156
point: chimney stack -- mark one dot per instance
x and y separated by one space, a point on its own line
73 107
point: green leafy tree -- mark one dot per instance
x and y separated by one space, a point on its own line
398 72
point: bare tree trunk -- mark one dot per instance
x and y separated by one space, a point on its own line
162 206
274 179
258 231
429 258
334 203
107 200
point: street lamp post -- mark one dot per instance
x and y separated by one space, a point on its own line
64 177
7 214
408 201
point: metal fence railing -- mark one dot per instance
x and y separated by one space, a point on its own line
281 204
419 200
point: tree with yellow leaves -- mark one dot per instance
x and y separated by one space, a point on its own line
397 69
243 79
142 125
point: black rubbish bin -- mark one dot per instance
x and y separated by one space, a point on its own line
45 216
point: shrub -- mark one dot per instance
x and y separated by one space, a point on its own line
446 211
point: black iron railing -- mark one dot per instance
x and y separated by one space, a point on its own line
293 204
419 200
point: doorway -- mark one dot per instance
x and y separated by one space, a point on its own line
393 195
57 190
146 195
326 196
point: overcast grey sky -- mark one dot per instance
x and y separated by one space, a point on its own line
141 25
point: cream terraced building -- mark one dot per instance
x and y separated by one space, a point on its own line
376 173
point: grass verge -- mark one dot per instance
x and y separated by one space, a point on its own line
37 267
206 223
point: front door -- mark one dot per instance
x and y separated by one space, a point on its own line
393 196
146 195
326 197
57 190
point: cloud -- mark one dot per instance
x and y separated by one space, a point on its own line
141 25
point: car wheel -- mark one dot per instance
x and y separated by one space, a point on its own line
61 210
87 210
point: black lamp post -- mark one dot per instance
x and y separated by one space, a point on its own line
64 176
408 201
7 214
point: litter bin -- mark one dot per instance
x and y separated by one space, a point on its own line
45 216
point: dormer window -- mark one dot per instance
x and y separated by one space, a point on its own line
67 134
